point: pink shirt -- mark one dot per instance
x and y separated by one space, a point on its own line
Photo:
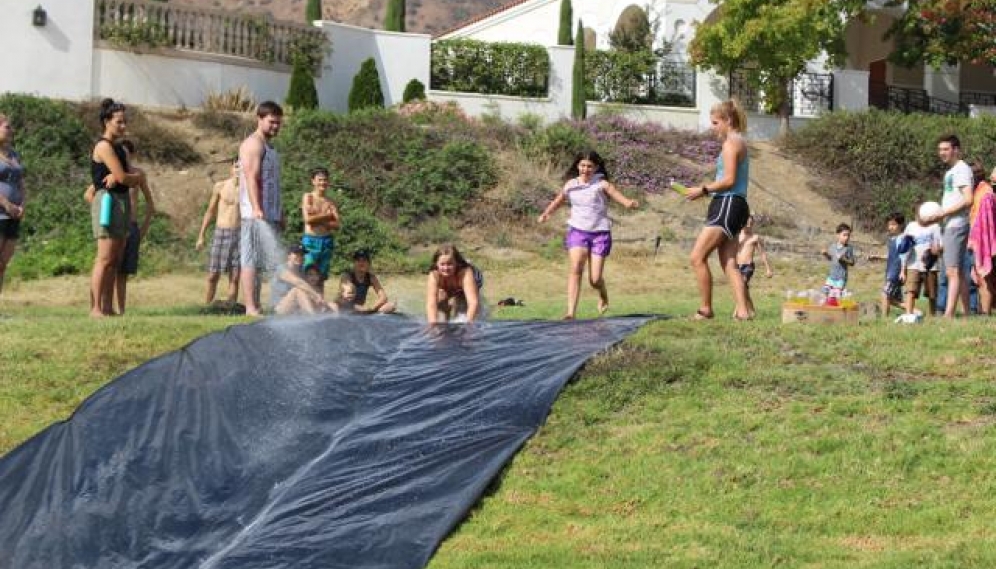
589 204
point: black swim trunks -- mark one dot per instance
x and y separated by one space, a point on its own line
747 270
729 213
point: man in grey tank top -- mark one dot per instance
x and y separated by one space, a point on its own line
259 203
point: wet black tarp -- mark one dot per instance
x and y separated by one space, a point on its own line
297 443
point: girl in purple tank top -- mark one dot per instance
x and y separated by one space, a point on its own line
589 236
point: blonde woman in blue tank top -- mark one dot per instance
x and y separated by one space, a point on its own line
728 211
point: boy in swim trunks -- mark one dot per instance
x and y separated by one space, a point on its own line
321 218
749 244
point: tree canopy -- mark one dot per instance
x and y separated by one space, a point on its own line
771 41
940 32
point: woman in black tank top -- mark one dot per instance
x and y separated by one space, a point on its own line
109 171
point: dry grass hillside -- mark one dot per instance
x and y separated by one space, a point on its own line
795 219
424 16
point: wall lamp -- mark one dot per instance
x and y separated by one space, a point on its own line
39 17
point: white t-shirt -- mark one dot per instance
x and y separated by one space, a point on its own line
958 176
923 238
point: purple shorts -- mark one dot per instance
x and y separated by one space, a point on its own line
597 242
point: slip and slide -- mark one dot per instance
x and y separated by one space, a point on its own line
301 442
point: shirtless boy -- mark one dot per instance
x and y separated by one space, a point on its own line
749 244
223 209
321 218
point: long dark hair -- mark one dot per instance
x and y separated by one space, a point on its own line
107 109
591 156
451 250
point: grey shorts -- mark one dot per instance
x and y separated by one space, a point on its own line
259 245
953 241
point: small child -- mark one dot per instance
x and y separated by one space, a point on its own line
321 218
748 244
299 295
922 268
898 246
841 256
358 283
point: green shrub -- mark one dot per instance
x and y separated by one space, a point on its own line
302 93
885 161
414 90
497 68
397 170
365 92
56 237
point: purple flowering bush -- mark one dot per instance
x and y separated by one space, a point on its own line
649 156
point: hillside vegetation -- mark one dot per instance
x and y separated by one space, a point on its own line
402 177
873 163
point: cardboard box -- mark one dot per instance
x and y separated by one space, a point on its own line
820 314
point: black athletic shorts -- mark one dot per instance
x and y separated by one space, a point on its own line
10 228
729 213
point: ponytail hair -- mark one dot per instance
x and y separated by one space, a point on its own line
731 110
107 109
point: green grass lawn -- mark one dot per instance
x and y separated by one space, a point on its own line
692 444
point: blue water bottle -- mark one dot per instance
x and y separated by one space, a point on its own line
106 206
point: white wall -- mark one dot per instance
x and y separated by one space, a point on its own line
51 61
170 81
673 117
850 90
400 58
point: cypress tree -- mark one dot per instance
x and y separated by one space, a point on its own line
394 20
566 19
302 93
313 11
579 108
365 91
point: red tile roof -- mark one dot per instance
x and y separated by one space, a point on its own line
483 16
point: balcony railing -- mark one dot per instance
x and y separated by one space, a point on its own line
139 23
911 100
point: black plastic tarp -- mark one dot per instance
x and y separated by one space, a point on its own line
297 443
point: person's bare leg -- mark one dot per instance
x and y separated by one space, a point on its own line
110 276
707 242
6 254
987 289
577 257
247 278
233 286
963 294
954 284
212 287
596 269
121 290
728 260
101 266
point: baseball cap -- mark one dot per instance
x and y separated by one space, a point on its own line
295 250
361 254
